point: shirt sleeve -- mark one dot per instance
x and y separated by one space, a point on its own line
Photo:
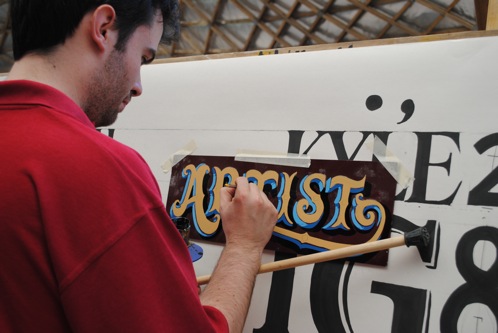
143 282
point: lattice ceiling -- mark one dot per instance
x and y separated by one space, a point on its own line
225 26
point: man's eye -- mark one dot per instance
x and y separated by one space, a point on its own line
146 60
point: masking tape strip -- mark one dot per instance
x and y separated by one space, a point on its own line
391 162
294 160
179 155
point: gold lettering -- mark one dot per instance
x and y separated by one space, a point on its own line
284 198
344 187
261 179
193 196
309 210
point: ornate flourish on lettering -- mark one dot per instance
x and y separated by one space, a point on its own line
362 216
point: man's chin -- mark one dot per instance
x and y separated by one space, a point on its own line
107 120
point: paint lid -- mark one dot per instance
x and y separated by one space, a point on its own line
196 251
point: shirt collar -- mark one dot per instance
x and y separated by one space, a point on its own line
24 92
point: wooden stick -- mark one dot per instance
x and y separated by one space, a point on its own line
315 258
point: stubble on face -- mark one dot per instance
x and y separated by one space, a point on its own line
106 91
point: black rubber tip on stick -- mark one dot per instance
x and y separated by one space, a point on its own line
419 237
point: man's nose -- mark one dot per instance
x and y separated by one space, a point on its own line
136 89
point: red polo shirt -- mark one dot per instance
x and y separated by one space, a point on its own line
85 242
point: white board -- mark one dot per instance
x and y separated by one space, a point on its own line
449 144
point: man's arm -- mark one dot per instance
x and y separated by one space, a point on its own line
248 221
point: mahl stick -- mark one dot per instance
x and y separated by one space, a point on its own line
419 237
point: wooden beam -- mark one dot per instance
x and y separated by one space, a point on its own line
409 30
445 12
492 20
342 45
187 37
333 20
216 14
295 23
481 7
284 24
359 14
318 20
260 25
215 28
396 17
253 33
434 24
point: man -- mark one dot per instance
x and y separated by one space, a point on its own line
85 242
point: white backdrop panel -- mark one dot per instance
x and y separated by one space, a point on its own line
449 143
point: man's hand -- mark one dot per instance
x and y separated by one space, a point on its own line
248 215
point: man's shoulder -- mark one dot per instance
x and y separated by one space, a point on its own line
54 144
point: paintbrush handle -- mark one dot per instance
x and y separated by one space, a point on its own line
345 252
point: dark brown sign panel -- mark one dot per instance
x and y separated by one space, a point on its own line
330 205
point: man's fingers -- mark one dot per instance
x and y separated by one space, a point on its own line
242 185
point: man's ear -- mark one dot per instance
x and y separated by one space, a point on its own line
103 21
